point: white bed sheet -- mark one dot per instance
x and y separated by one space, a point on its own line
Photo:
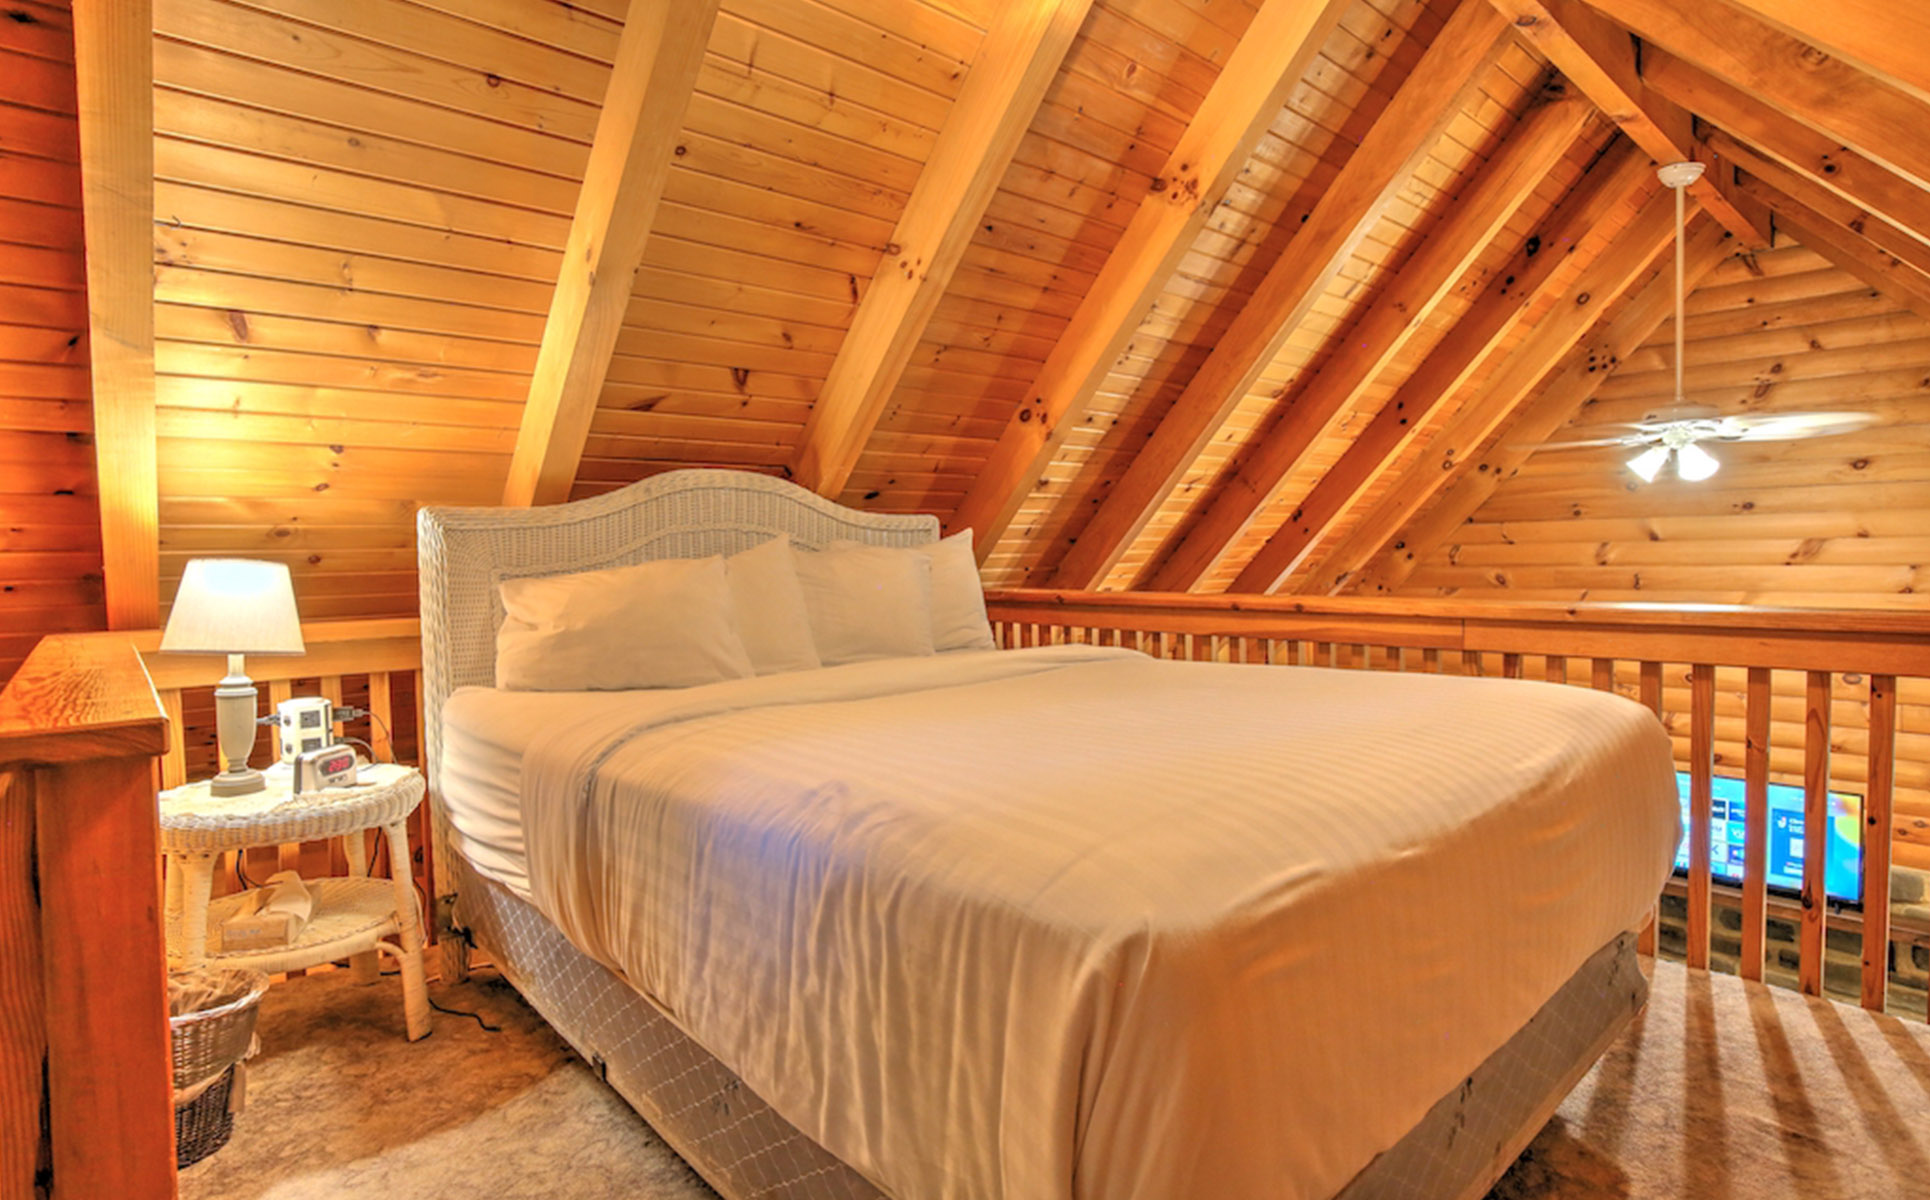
1211 931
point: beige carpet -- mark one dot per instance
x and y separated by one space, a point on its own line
1722 1091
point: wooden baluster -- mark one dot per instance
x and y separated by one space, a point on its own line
323 858
1702 721
23 1049
1755 844
1290 652
1877 799
264 861
1650 692
1471 662
1816 829
1511 666
1555 669
1431 660
381 717
1601 674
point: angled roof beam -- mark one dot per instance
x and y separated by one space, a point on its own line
1885 38
1471 222
1018 61
1773 184
1265 67
1526 279
1429 98
114 72
1600 58
1554 406
1827 94
1604 279
656 66
1853 249
1818 156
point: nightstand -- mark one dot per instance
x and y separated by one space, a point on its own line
355 915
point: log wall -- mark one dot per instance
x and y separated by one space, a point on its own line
50 558
1836 522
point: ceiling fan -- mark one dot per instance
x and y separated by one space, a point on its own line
1679 430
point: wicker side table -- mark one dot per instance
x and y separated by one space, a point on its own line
355 916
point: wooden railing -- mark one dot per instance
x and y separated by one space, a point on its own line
1807 696
82 989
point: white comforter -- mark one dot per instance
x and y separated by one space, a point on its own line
1071 922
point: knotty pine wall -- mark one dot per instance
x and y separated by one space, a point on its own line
50 559
1840 521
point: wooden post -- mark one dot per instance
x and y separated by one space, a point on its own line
1755 846
114 72
1812 961
1877 814
1702 725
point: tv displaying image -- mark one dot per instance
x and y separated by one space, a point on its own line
1788 840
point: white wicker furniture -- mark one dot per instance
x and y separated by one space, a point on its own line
355 916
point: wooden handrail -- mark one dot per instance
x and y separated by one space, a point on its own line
83 965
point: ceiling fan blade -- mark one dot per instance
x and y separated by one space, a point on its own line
1590 443
1784 427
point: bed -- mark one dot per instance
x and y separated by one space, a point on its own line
1055 923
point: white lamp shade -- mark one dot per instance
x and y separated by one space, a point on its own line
1648 464
1695 464
234 606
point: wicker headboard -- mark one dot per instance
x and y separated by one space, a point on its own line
464 553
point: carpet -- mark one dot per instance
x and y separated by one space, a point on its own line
1721 1090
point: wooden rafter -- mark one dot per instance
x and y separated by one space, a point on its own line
1471 222
1771 183
1524 281
1818 156
657 61
1850 248
1429 98
114 74
1516 376
1600 58
1018 61
1827 94
1555 404
1886 38
1265 67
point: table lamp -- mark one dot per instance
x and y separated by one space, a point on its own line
234 606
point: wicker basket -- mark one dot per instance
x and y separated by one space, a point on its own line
211 1013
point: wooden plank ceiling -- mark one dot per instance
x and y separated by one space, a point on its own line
1207 294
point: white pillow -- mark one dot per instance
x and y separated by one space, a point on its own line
867 602
957 595
769 606
657 624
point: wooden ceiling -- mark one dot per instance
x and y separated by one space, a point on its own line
1182 294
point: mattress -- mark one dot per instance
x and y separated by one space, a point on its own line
1075 923
747 1152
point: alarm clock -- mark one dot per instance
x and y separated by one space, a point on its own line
331 766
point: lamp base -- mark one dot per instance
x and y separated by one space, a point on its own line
235 782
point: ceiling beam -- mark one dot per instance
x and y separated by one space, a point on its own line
114 74
1771 183
1600 58
1444 254
1017 62
1265 67
1583 372
1886 38
1818 156
656 66
1429 98
1516 375
1527 280
1827 94
1850 248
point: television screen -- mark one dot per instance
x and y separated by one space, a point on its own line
1788 840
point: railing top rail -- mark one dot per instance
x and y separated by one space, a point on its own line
81 697
334 648
1879 623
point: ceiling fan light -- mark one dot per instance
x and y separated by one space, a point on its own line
1695 464
1648 464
